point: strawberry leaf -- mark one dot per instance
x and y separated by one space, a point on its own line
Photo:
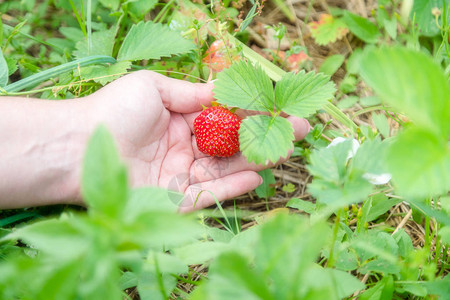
152 41
245 86
362 28
104 74
304 93
102 44
328 29
265 138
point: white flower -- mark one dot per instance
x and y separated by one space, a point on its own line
352 152
377 178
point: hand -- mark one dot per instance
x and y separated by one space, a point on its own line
151 117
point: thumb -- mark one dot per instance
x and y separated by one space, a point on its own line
179 95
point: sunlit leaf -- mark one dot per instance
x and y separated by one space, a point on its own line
331 64
328 29
303 93
104 178
147 40
362 27
265 138
244 86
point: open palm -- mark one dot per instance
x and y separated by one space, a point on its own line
151 116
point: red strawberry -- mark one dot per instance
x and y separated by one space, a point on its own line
216 131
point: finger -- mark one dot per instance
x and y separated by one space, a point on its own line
201 195
179 95
301 127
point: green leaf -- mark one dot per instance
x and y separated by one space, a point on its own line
404 242
440 287
12 65
150 199
328 29
362 28
444 233
3 70
147 40
111 4
102 44
156 280
288 188
157 229
425 169
303 205
60 238
248 19
421 13
335 184
287 248
104 178
417 289
331 64
265 190
353 61
231 277
391 27
353 190
142 7
263 138
200 252
383 290
345 283
411 82
244 86
128 280
380 205
303 93
381 123
370 157
330 163
105 74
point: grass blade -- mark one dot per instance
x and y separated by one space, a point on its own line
37 78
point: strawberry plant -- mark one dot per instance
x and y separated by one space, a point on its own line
270 137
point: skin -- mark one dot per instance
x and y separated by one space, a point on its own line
42 143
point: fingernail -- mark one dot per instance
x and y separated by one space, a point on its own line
212 81
260 180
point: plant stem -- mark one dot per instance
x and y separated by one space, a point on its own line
78 17
199 53
89 26
337 222
161 15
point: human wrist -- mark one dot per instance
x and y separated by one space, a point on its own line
43 143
